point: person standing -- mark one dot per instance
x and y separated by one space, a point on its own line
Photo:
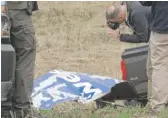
24 42
158 55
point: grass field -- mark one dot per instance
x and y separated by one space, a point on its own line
70 37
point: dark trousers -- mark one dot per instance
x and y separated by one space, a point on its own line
24 42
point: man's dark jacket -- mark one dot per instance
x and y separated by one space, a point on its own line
138 20
159 15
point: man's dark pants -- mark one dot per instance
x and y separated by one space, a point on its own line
24 42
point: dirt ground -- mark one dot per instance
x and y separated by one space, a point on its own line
70 37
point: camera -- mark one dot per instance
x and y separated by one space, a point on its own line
113 25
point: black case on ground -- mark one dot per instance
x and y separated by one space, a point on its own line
135 87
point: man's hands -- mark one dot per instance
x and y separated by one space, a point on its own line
114 33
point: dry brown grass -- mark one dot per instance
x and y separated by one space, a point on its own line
70 37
